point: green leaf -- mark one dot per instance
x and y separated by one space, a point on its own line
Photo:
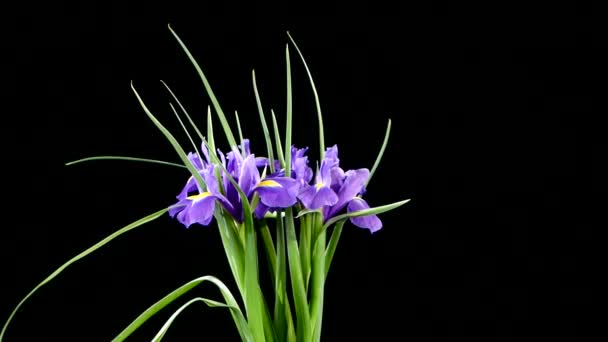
381 153
263 121
271 254
277 138
237 315
211 303
370 211
214 101
172 140
238 125
198 132
289 115
90 250
282 309
210 138
307 211
333 243
318 275
233 246
186 131
297 279
144 160
317 102
306 247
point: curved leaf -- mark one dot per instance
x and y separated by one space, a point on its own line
211 303
90 250
237 315
144 160
370 211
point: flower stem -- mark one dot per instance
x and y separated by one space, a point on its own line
318 274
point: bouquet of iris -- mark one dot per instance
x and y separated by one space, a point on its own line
250 196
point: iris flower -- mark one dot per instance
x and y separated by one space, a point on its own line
197 205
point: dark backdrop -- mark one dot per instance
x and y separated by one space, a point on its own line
496 139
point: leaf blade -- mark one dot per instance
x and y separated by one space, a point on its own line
83 254
137 159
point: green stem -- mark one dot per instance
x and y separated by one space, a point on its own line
333 243
297 280
271 255
318 275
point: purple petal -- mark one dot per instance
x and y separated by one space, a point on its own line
315 198
332 153
191 186
249 175
261 210
354 182
245 147
371 222
278 192
177 208
195 160
202 208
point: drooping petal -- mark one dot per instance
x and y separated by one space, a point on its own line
354 182
371 222
202 208
177 207
278 192
315 197
260 210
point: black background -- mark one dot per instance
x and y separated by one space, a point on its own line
496 139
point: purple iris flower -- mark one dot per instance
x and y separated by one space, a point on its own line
275 191
335 189
320 194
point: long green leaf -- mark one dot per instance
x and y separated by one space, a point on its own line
239 320
211 303
186 131
297 280
233 247
381 153
277 138
238 126
90 250
172 140
317 102
318 276
198 132
210 137
214 101
144 160
271 254
333 243
306 246
263 121
282 309
370 211
289 116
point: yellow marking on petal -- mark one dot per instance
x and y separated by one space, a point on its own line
199 196
269 183
319 185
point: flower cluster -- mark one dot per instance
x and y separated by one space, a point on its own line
330 192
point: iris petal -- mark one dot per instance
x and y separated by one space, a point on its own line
371 222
